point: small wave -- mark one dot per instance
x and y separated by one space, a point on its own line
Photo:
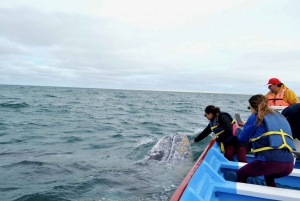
25 163
13 141
35 124
40 196
81 188
14 154
8 189
197 131
5 153
142 162
99 146
73 102
51 96
145 142
4 129
81 167
141 149
185 110
30 163
14 105
117 136
55 154
148 123
121 96
72 139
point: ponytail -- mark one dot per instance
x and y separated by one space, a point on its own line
260 104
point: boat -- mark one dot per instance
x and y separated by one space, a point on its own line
213 178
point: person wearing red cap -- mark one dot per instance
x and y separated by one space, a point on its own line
279 94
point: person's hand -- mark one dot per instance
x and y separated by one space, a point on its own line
192 141
241 124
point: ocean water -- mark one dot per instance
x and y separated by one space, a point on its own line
82 144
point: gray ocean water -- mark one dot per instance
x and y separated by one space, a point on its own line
90 144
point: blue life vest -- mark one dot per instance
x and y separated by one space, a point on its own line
219 130
278 135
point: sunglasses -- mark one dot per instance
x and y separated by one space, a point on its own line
248 107
206 114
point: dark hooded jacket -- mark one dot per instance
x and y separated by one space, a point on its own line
292 114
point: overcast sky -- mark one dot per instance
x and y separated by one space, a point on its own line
230 46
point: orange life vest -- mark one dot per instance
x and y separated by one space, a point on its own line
278 99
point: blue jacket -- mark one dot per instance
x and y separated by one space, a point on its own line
251 130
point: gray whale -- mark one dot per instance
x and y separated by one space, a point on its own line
171 148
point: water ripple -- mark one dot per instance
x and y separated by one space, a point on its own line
14 105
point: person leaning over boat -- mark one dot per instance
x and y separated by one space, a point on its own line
272 142
221 124
279 94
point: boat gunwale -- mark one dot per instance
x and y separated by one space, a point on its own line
182 186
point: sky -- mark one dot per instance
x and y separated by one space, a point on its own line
232 46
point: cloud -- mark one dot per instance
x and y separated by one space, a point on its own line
231 46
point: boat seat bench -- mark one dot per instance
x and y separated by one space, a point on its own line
263 192
295 172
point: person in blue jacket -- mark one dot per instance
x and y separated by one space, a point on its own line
221 123
266 129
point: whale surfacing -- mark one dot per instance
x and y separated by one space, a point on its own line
171 148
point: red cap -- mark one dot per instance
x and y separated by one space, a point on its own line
274 81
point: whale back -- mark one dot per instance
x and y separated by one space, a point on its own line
171 148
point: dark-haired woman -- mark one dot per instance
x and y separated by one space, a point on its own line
221 124
272 143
